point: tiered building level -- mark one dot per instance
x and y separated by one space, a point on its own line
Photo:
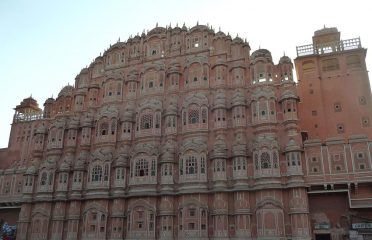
185 134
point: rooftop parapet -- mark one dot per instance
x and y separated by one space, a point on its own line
330 47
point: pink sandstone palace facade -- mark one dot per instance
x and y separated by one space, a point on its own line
185 134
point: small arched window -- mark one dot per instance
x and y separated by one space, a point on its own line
96 173
191 165
146 121
104 128
193 116
43 179
141 168
265 160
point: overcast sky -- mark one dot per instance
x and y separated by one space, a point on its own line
44 44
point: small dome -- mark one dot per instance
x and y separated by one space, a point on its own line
66 91
156 30
64 166
219 34
73 123
84 71
79 164
220 100
238 40
171 109
219 148
49 101
261 53
325 30
86 120
199 28
288 94
127 115
238 98
168 151
285 59
292 146
121 160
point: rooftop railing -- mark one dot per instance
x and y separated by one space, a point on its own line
25 117
331 47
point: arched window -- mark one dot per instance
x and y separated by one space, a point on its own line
146 121
275 159
43 179
96 173
193 116
204 115
191 165
141 168
265 160
113 126
103 128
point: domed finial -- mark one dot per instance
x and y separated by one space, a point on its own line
284 53
219 29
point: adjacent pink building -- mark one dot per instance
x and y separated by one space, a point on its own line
185 134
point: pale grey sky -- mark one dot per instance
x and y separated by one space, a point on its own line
44 44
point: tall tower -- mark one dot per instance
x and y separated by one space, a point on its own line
334 89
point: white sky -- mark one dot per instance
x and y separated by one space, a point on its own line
44 44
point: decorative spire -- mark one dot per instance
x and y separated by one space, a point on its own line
156 25
197 23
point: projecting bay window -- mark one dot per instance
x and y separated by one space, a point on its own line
266 163
239 167
46 181
192 168
195 118
293 160
143 171
239 119
219 169
148 123
99 175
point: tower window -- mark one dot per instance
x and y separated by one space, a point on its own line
362 100
337 107
340 128
365 122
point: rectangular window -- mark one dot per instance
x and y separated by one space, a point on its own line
192 212
191 226
330 64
